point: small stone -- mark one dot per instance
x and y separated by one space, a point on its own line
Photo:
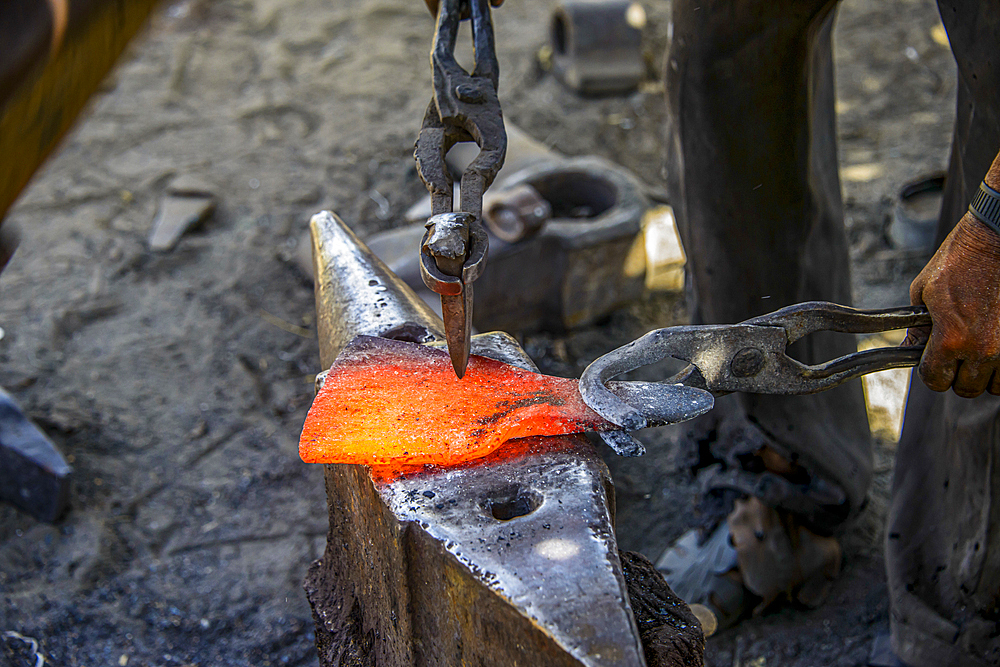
199 430
178 215
189 201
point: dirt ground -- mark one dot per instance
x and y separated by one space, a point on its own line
176 383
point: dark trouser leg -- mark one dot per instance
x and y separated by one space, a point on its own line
8 243
752 169
943 536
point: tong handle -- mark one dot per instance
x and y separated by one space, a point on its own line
802 319
864 362
763 367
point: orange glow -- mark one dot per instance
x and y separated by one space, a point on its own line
519 448
386 402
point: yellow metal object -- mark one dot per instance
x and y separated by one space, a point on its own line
707 618
665 258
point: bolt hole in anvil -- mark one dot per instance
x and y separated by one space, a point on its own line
512 502
576 194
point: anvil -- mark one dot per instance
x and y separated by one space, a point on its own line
506 560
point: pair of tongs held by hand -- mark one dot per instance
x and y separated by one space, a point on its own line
749 357
465 107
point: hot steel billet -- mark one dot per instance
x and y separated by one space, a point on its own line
508 560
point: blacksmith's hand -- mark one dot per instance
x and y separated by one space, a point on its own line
961 288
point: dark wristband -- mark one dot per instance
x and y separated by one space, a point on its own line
985 207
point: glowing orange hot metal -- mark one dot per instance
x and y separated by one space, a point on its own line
387 402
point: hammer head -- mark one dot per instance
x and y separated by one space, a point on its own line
387 402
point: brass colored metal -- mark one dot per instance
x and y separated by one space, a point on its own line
48 72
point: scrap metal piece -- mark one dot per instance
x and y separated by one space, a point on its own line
623 443
188 203
517 213
33 474
597 45
507 560
465 108
749 357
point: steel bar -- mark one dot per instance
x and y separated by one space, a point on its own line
508 560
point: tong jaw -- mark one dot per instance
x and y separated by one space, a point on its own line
654 346
452 256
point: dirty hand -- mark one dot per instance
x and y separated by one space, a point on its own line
961 288
433 6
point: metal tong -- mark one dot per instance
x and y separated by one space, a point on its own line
465 107
749 357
